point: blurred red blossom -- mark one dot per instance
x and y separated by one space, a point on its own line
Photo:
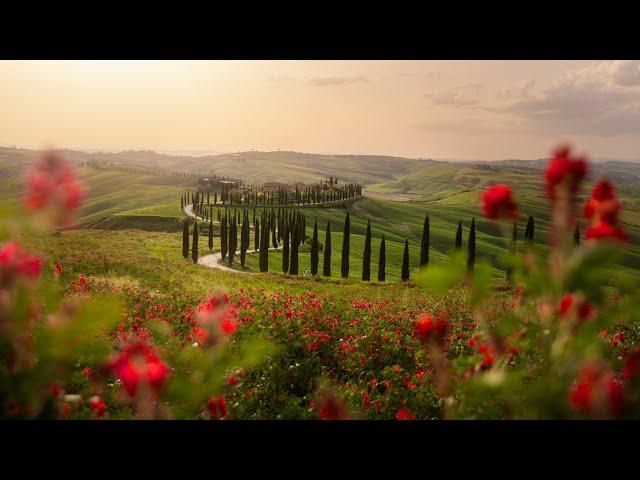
51 184
404 414
17 262
582 307
139 364
498 202
217 408
602 211
98 406
596 391
632 366
566 170
426 328
215 317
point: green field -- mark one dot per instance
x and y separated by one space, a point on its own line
448 192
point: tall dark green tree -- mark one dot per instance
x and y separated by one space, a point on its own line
295 243
194 246
326 259
424 245
513 244
382 261
314 249
471 246
458 244
285 250
233 236
223 236
256 233
404 274
529 231
264 247
346 239
244 238
366 255
211 235
185 238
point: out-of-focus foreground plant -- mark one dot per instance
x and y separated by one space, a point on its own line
549 354
61 352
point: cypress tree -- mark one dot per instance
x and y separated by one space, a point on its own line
424 245
293 264
344 269
185 238
512 249
264 248
576 234
530 231
256 234
285 250
404 275
314 249
194 247
223 236
366 255
471 245
382 261
211 235
232 239
458 244
244 240
326 260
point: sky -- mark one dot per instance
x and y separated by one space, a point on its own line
423 109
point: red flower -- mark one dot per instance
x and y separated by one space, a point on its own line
87 372
331 407
16 262
602 211
98 406
604 230
583 311
564 169
81 285
631 366
217 408
597 391
489 356
139 364
498 202
51 184
427 328
215 317
58 269
404 414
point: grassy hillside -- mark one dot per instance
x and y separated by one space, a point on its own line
448 192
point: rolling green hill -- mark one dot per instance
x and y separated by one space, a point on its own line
447 191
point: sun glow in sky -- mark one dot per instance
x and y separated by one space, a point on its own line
431 109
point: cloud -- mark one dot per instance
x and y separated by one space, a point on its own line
337 80
626 73
599 100
463 95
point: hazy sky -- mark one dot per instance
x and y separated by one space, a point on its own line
430 109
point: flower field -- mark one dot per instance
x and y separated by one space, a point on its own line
100 328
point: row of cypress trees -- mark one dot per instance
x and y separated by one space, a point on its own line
290 229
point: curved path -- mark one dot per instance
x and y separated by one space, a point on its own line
212 260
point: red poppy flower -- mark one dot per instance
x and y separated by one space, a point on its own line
498 202
603 230
584 310
404 414
17 262
51 184
98 406
597 389
139 364
217 408
565 169
427 328
631 366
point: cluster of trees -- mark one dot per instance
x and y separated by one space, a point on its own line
237 194
288 228
157 171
